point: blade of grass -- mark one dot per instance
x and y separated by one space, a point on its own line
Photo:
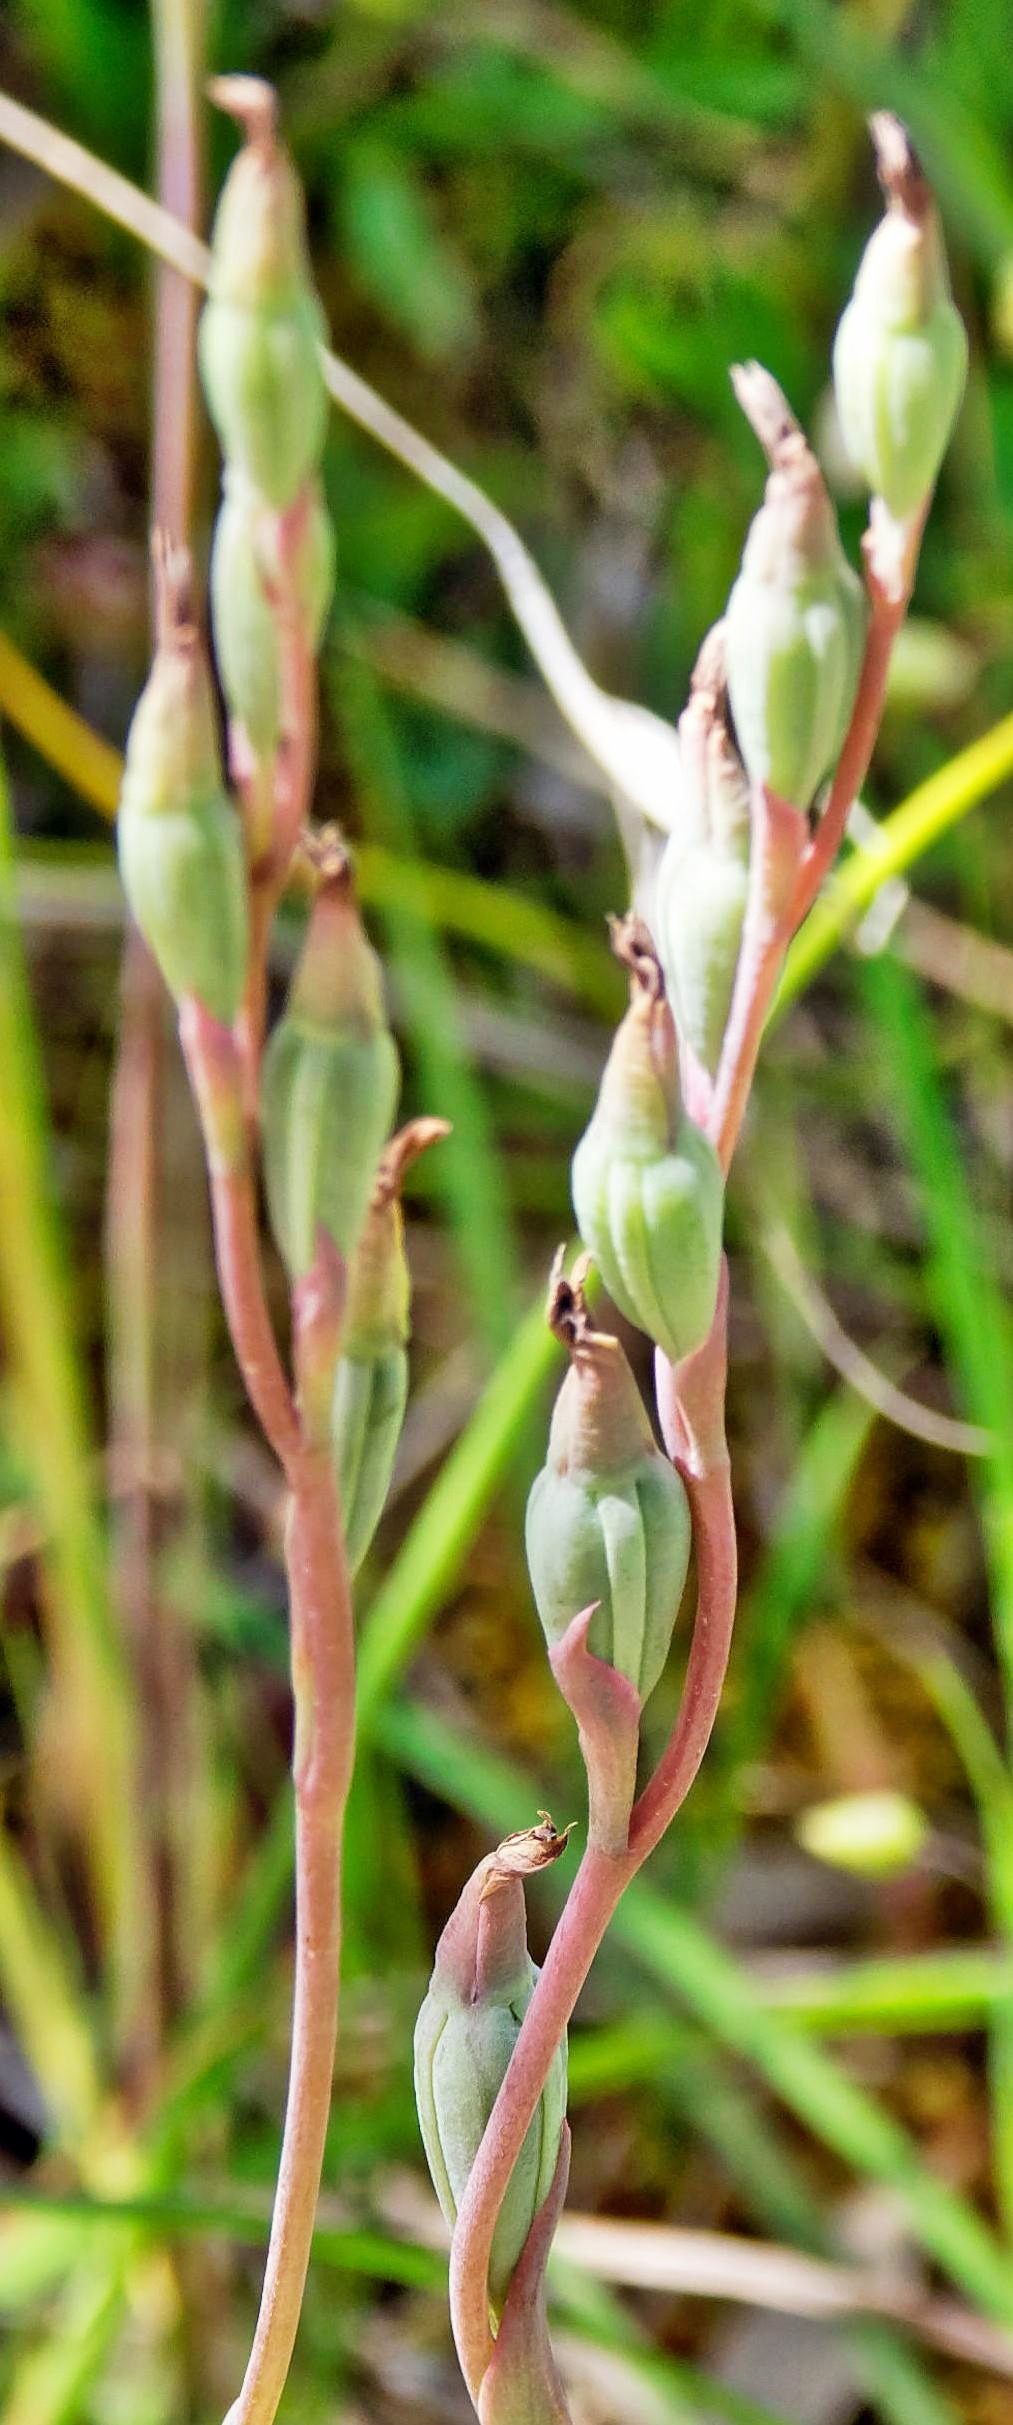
973 1321
904 837
93 1704
466 1173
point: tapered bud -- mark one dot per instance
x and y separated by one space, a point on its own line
262 327
900 353
608 1518
703 879
246 584
179 840
647 1186
371 1381
481 1987
330 1078
796 618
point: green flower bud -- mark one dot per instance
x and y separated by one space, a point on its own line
703 879
330 1078
245 577
900 353
647 1185
179 839
371 1381
608 1518
262 327
482 1984
796 619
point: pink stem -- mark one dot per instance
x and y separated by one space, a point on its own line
212 1058
323 1678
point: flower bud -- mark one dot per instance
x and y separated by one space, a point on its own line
371 1381
262 327
647 1185
179 840
703 879
482 1984
900 353
246 577
608 1518
330 1078
796 618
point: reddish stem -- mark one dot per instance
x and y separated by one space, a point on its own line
323 1681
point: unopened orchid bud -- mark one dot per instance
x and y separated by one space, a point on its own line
647 1185
371 1381
262 327
482 1984
703 880
796 618
608 1518
900 353
330 1078
246 584
179 839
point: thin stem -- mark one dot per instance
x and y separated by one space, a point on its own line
212 1058
323 1681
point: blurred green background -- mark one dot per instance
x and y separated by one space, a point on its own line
543 232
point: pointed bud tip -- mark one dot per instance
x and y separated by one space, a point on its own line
175 622
768 412
325 852
633 947
524 1854
252 102
413 1139
898 166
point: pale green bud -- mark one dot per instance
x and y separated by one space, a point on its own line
900 353
608 1518
262 328
703 879
179 840
876 1835
371 1380
796 619
246 582
330 1079
647 1185
482 1984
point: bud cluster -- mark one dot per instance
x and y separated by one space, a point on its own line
260 340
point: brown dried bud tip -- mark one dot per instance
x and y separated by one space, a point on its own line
566 1310
707 680
175 624
901 176
523 1855
253 104
769 413
631 942
325 852
413 1139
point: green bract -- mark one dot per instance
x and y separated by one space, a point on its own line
647 1185
244 572
900 354
179 841
466 2032
608 1519
330 1084
795 624
703 879
371 1380
262 327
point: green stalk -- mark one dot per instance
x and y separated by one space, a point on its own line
92 1709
